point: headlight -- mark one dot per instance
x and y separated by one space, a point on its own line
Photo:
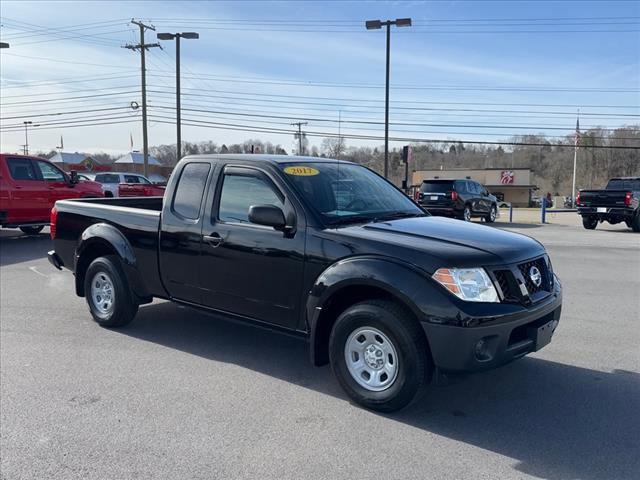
470 284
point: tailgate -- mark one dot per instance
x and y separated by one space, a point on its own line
602 198
436 199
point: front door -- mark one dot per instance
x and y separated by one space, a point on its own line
248 269
29 193
57 185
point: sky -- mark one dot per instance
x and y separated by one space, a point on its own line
465 70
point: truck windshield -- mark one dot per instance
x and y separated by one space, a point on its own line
346 193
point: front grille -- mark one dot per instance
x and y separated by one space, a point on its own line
516 285
546 278
507 284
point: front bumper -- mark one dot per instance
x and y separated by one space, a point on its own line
458 349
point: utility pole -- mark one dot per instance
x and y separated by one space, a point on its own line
143 47
25 147
299 125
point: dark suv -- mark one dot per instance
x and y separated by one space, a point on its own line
461 199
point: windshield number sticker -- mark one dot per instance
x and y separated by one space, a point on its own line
301 171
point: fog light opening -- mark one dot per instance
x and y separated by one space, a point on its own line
483 351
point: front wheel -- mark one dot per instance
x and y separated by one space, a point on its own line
32 230
635 223
590 222
379 355
110 300
492 215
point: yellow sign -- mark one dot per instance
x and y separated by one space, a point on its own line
301 171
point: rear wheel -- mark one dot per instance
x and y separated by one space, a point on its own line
635 223
466 213
110 300
492 215
379 355
32 230
590 223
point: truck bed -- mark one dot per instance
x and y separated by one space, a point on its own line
135 218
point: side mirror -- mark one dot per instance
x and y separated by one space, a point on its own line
268 215
73 177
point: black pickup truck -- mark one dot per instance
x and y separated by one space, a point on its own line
325 249
618 202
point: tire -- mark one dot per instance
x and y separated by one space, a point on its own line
111 301
635 223
466 213
32 230
590 223
492 215
360 332
108 194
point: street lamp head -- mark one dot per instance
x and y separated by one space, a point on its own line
192 35
373 24
166 36
403 22
4 45
28 123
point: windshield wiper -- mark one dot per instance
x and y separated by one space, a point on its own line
352 219
398 215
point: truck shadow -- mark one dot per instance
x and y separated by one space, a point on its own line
17 247
557 421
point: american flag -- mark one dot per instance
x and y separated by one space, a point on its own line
577 137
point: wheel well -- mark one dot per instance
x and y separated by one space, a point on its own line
338 303
98 249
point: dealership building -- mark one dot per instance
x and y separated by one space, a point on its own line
511 185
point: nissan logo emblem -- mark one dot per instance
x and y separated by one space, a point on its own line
535 276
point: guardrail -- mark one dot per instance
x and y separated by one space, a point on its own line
543 210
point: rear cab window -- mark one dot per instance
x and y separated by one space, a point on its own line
187 199
21 169
436 186
131 179
108 178
624 184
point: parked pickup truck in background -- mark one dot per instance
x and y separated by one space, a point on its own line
112 181
327 250
29 187
140 190
618 202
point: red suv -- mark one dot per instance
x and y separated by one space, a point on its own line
29 186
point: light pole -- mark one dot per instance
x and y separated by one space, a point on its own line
377 25
26 135
177 37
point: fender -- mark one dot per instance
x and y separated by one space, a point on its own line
405 282
105 235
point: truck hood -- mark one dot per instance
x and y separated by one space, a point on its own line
456 242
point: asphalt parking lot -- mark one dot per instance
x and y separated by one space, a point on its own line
180 394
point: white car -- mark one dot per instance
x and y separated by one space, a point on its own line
111 180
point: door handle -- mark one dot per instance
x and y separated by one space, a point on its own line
215 240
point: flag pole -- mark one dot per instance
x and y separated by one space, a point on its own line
575 159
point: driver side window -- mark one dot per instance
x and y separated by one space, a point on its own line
49 172
241 191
